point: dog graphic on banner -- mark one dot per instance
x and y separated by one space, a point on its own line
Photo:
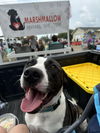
15 21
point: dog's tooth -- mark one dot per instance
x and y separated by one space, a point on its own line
45 96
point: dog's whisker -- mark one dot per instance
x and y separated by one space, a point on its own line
17 81
18 75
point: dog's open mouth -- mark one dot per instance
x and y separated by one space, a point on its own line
33 100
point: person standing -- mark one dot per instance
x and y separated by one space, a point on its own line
41 45
55 44
33 44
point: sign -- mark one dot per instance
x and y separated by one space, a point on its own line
28 19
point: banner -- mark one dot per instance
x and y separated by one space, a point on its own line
17 20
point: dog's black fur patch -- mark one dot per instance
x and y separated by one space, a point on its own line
30 63
55 76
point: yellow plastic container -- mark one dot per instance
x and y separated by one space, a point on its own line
86 75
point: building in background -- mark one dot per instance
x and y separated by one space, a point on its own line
78 33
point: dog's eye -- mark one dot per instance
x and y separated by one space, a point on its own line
53 66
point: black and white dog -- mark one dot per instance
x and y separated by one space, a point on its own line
46 107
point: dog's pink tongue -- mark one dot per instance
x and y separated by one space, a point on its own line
31 101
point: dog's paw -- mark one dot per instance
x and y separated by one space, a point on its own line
34 129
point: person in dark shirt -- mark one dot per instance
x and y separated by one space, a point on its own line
55 44
55 40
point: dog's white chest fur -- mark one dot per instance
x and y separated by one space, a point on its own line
49 121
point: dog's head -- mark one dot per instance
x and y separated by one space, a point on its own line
42 79
12 12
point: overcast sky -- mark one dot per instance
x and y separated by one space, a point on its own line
83 12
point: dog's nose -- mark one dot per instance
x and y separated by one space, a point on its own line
32 75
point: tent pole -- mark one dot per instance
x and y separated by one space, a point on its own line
68 35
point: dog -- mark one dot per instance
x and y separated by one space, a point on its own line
15 21
46 106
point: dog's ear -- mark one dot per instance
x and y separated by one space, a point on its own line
9 12
30 62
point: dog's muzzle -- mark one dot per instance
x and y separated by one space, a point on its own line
34 95
32 75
